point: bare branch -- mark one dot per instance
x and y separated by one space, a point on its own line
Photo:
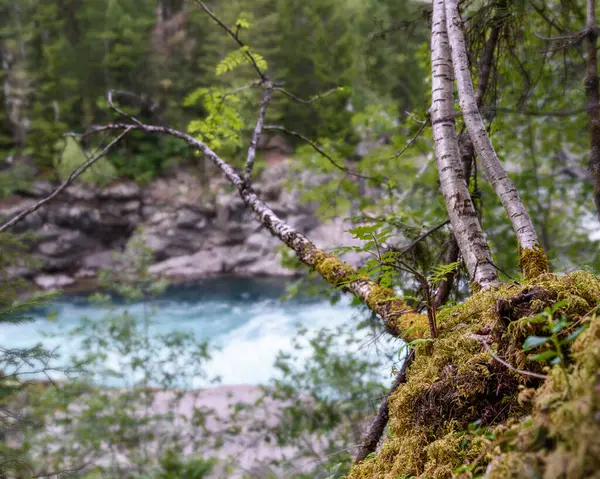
109 97
485 68
72 177
421 237
430 305
306 102
570 38
483 341
381 301
235 91
412 141
68 471
319 150
256 134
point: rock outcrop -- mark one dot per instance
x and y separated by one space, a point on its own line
193 227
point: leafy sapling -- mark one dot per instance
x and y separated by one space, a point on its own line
561 333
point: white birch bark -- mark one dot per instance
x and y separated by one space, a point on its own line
494 171
256 134
461 211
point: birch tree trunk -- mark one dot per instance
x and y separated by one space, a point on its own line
467 154
593 95
532 258
461 211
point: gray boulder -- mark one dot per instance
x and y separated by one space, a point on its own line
121 191
100 260
189 267
56 281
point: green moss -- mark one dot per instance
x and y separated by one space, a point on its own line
540 430
334 271
514 465
533 262
400 318
444 454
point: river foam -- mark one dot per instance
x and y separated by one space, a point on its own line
244 319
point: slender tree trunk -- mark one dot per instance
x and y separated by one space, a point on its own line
467 153
461 211
532 259
593 95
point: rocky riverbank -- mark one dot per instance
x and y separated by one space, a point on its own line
194 228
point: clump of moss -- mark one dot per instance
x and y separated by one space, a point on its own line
563 430
401 319
454 381
514 465
336 272
533 262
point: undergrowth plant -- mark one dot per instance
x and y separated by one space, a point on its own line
561 331
317 406
21 368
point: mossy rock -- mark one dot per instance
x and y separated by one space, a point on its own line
526 426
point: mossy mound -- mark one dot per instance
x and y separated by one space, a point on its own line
462 413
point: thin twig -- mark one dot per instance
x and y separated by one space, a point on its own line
487 347
109 97
411 141
72 177
420 238
319 150
254 84
256 134
306 102
570 38
235 37
429 303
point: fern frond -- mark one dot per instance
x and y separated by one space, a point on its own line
231 61
441 272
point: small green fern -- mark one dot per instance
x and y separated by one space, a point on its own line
238 57
441 272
